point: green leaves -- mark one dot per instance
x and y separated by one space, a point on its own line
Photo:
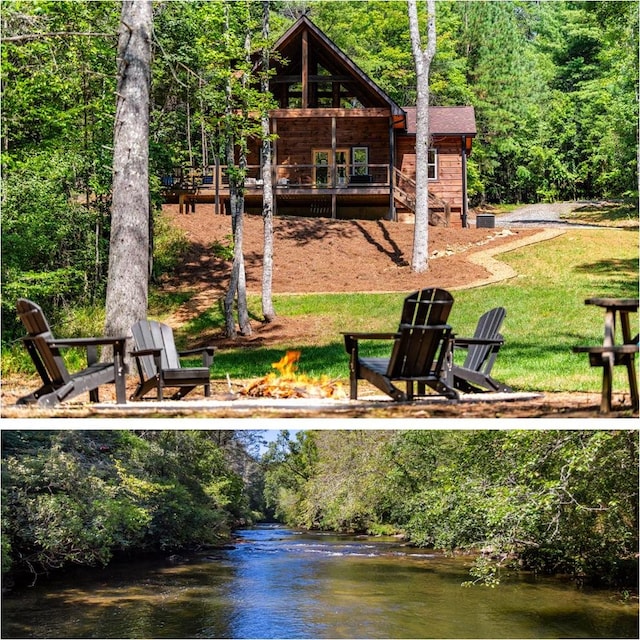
554 500
81 496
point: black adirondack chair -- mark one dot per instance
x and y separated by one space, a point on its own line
158 362
418 351
57 383
482 350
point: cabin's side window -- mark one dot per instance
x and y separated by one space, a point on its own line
432 165
360 161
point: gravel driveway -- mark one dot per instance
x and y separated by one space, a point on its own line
542 215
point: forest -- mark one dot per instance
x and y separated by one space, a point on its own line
547 501
554 86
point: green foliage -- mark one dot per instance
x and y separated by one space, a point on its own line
169 245
81 496
223 250
554 501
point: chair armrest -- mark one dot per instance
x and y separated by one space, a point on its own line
117 342
207 354
189 352
146 352
86 342
463 343
425 326
371 336
351 339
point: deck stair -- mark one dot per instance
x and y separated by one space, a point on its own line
404 193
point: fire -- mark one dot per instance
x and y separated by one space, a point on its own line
287 383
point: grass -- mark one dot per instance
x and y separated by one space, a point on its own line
619 214
546 315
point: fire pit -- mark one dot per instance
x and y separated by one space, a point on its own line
285 382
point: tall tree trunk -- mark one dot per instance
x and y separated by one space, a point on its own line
237 283
267 190
127 283
422 59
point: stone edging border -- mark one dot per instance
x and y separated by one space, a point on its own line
499 270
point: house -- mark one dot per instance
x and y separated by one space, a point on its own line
343 147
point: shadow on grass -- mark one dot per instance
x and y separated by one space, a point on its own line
619 276
607 212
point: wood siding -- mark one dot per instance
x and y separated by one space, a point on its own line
297 137
448 186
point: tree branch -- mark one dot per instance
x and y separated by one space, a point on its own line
26 37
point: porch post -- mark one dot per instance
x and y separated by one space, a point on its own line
274 166
392 153
464 182
216 207
332 166
305 69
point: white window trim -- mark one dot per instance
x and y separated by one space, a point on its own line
433 166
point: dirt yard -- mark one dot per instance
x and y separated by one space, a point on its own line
321 255
314 255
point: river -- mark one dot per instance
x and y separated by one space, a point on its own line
280 583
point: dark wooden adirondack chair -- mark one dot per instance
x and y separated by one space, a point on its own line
418 351
158 362
57 383
482 350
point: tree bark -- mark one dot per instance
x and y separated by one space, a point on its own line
422 59
127 282
237 283
268 311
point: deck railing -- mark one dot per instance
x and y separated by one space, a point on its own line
298 176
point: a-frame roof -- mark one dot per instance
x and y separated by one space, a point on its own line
322 51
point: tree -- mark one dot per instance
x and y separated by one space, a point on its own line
422 59
267 189
235 120
127 284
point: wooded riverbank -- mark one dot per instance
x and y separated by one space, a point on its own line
547 501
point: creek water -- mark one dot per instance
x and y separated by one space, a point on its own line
281 583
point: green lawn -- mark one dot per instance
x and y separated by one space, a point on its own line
546 315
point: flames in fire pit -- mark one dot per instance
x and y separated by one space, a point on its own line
287 383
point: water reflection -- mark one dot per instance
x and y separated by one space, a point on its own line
279 583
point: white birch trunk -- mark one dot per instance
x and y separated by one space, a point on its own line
237 284
127 283
422 59
268 311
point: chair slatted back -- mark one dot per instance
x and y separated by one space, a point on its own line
422 330
47 359
427 306
481 357
150 334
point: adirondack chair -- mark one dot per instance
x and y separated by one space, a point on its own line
418 350
158 362
57 383
482 350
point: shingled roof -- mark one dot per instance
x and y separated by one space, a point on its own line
445 121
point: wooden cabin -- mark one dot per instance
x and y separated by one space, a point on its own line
343 147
